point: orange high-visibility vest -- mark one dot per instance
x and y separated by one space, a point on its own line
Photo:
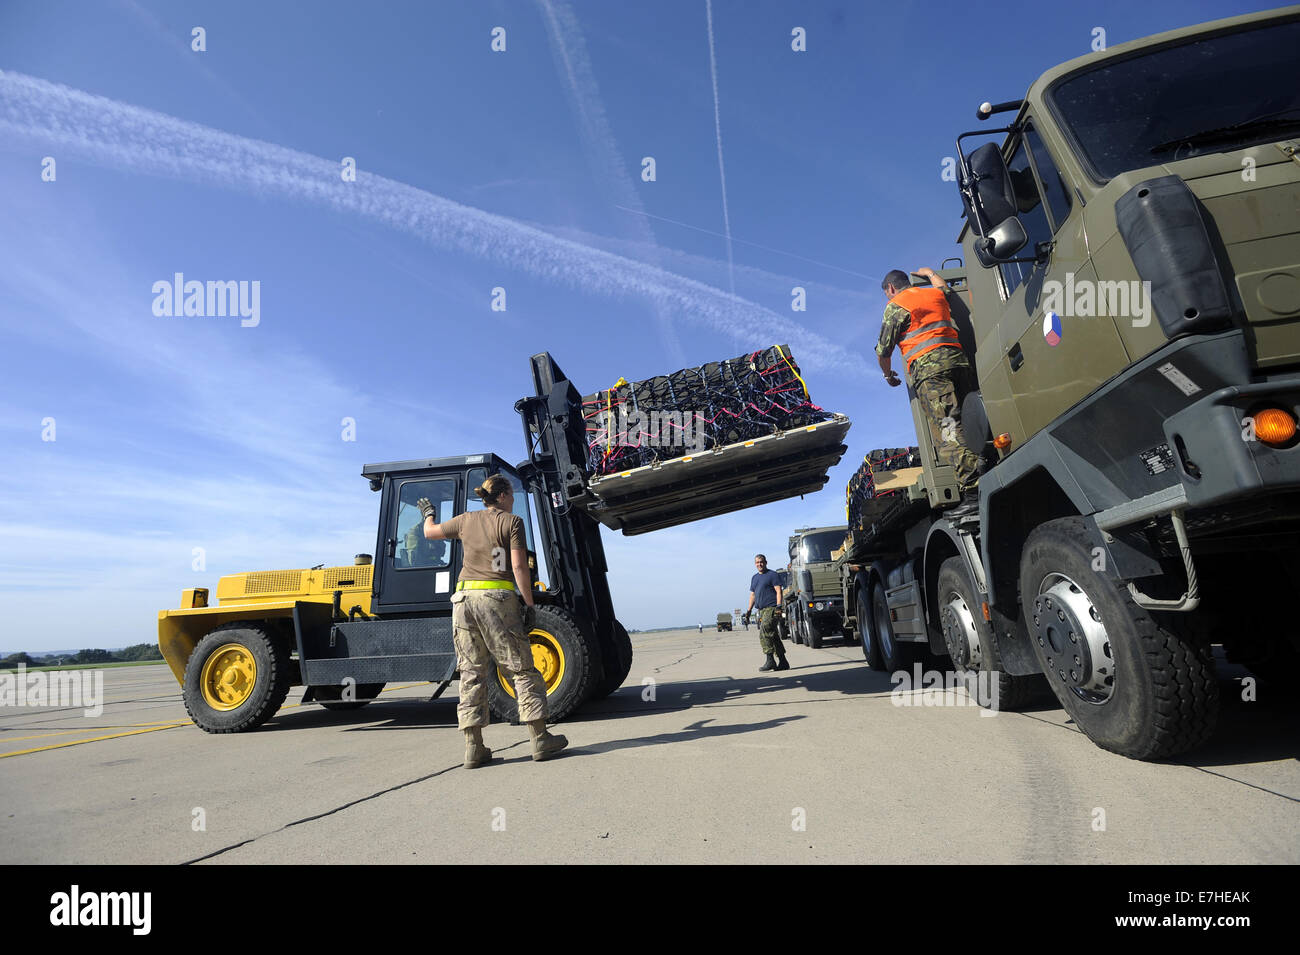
931 325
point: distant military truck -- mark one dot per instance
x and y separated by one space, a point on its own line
724 622
813 603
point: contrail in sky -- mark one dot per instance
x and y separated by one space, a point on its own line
717 128
570 50
129 137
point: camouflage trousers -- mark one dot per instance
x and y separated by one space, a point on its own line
769 639
488 630
941 395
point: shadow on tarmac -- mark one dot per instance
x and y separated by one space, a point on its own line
1248 731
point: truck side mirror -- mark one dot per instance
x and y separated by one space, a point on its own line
991 206
1001 242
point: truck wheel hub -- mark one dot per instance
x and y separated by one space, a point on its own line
959 633
1071 637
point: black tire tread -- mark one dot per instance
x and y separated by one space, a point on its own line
617 672
1185 688
279 650
1013 692
502 705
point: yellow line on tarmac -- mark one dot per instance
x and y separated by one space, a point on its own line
150 728
95 739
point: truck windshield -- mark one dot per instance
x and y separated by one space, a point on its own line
1213 94
817 547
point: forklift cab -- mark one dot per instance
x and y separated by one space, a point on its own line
413 574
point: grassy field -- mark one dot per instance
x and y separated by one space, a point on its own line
86 666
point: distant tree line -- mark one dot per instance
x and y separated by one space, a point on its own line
131 654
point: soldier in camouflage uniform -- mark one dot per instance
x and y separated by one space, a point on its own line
765 594
936 367
491 619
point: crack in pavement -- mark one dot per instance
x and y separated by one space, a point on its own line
337 809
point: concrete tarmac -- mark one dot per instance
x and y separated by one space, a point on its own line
698 758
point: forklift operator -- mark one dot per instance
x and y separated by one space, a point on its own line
489 628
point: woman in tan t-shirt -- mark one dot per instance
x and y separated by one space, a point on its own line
490 626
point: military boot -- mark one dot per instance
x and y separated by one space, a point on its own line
476 754
545 744
768 664
781 662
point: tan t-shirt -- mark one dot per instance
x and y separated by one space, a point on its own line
487 538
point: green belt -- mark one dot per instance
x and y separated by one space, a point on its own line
485 585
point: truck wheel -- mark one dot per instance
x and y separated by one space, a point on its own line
1133 686
616 671
331 696
568 662
895 655
812 635
236 678
796 627
867 628
969 639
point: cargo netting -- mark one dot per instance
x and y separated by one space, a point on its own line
864 503
696 409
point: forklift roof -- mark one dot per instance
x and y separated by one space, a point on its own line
376 472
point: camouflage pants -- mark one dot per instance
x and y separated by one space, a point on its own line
941 395
489 632
768 637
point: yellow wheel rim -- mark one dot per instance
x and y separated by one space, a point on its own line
547 657
228 677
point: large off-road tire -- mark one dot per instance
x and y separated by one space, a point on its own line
331 696
812 634
569 663
617 668
894 655
1134 687
867 628
971 645
236 678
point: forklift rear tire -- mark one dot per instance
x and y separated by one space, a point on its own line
331 696
617 671
569 663
236 679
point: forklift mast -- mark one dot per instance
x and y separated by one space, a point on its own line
555 475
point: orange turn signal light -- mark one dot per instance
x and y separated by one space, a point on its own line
1274 426
1002 441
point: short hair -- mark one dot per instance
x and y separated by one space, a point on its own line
762 557
897 278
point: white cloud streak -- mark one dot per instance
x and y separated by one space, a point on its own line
128 137
570 50
717 128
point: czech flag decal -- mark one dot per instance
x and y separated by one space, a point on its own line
1052 328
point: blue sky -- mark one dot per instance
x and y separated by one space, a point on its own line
519 169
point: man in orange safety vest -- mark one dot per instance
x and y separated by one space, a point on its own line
919 323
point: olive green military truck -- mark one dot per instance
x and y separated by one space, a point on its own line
813 605
1132 249
724 622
